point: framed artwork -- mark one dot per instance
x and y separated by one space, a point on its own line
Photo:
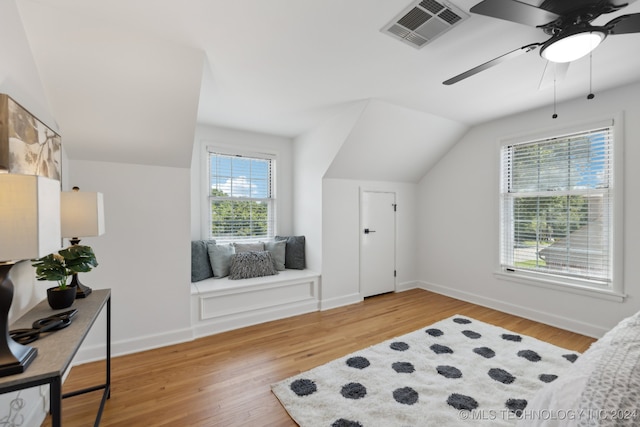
27 146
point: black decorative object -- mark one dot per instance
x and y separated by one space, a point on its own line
59 298
14 357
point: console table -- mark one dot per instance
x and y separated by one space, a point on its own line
57 349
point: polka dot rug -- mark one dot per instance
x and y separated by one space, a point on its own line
458 371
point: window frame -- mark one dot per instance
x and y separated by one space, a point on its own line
613 292
206 174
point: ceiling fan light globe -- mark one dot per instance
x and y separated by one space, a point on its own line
572 47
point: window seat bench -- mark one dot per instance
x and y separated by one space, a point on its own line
219 305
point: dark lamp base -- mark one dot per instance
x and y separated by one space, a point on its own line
81 290
23 358
14 357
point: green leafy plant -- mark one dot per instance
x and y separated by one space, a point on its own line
59 266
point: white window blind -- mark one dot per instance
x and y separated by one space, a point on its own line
241 197
557 207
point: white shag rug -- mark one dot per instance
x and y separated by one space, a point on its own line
458 371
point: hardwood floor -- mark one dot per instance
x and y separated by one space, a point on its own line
224 379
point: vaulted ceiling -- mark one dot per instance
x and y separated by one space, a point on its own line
128 80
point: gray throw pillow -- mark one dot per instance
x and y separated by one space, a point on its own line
220 257
251 264
200 265
249 247
277 249
294 254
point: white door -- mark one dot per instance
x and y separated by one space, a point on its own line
377 242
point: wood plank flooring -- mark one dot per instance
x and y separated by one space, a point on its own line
224 379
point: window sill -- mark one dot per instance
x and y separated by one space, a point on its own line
558 285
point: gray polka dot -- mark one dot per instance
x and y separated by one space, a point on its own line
460 402
353 391
530 355
434 332
303 387
399 346
440 349
358 362
471 334
547 378
449 371
501 375
485 352
403 367
405 395
516 406
511 337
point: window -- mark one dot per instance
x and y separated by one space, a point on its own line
557 208
241 196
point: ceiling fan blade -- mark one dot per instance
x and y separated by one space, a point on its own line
514 11
553 72
493 62
625 24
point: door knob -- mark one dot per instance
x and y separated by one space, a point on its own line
367 231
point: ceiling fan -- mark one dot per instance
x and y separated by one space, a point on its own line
567 22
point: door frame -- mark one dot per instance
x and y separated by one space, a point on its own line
363 190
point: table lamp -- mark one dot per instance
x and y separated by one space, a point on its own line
29 228
82 215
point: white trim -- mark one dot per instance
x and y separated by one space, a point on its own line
518 310
616 293
559 131
97 352
341 301
590 291
209 147
230 150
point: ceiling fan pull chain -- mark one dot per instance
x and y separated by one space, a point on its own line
591 95
555 115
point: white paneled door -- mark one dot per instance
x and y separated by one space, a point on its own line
377 242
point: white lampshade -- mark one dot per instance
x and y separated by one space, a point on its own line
29 216
82 214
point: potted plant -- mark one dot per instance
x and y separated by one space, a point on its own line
58 267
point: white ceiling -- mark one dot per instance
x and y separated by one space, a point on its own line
127 79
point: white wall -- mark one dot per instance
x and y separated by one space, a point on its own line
243 140
144 255
312 155
458 211
341 238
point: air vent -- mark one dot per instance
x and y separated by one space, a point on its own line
423 21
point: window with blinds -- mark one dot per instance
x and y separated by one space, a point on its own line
557 207
241 197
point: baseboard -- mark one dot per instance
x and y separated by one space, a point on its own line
561 322
120 348
328 304
405 286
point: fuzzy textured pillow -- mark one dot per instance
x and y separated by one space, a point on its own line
251 264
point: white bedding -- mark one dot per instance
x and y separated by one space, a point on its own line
601 389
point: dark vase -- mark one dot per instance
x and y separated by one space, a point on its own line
61 298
